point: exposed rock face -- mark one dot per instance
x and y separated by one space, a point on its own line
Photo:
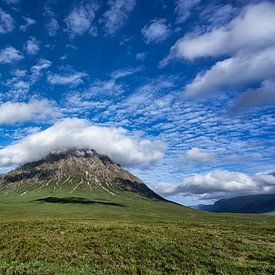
75 170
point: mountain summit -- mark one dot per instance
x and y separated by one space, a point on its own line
73 171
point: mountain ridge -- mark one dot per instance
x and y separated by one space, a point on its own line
257 204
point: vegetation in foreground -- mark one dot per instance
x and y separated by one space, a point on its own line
84 233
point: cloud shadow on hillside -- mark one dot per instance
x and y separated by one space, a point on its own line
76 200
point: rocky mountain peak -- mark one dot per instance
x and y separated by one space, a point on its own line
74 170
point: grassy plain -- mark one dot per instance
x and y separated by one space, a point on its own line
97 233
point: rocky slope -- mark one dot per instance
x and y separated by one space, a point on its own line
74 170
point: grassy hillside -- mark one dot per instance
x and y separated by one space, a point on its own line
86 233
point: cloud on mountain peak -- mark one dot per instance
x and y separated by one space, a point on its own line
74 133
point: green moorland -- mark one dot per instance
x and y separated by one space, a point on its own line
97 233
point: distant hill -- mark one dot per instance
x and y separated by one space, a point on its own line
244 204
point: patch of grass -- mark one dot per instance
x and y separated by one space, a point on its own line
142 237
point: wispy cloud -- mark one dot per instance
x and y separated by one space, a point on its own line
198 155
32 46
6 22
28 23
115 17
184 8
52 27
42 64
81 18
121 73
156 31
74 79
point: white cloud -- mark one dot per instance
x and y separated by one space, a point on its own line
19 73
255 97
249 39
32 46
69 79
266 178
52 27
197 155
28 22
16 112
121 73
79 134
80 20
10 55
118 12
6 22
183 9
252 29
221 184
219 14
42 64
234 72
156 31
141 56
16 83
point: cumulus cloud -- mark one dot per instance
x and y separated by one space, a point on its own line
266 178
28 22
16 112
234 72
255 97
32 46
9 55
156 31
221 184
79 134
81 18
252 29
197 155
6 22
183 9
249 40
69 79
115 17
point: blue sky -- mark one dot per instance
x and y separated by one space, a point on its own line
181 92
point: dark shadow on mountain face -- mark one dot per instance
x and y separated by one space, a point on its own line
76 200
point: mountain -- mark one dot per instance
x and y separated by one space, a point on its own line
244 204
73 171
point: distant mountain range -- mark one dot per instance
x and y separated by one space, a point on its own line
245 204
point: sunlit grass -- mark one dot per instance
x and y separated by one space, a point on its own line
128 234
